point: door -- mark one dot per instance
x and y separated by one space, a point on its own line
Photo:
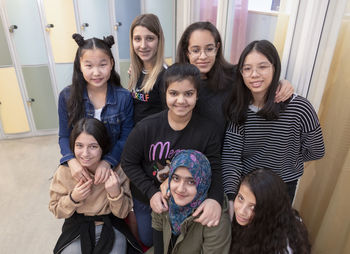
32 59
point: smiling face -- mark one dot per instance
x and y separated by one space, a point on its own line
203 41
87 151
145 44
181 98
257 73
96 67
244 205
182 186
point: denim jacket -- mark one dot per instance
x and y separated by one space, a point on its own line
117 116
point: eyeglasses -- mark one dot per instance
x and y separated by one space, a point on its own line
208 51
247 70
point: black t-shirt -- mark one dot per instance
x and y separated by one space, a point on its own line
210 104
146 104
153 143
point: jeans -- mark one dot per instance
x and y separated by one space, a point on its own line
119 246
144 222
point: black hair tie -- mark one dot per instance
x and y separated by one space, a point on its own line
109 40
79 39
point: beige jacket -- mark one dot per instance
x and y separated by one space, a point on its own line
98 203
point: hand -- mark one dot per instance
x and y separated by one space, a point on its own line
103 172
164 189
78 172
211 213
112 185
158 203
231 210
284 91
81 190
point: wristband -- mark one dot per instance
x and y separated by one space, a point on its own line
70 196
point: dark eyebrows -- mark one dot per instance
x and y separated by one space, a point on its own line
186 178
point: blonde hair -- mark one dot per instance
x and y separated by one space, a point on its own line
151 22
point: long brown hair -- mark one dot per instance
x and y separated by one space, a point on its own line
151 22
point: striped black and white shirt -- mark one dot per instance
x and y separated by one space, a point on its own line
282 145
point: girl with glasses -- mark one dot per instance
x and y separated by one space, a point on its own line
262 133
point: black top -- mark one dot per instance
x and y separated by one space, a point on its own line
79 225
211 105
146 104
153 143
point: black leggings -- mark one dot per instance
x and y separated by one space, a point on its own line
291 187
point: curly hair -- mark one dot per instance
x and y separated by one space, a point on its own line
275 225
75 103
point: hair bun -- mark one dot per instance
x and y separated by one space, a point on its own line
109 40
78 39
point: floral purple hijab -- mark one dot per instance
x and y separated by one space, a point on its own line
199 167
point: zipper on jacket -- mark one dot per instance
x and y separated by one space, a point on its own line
133 245
68 244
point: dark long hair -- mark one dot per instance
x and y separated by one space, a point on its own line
237 105
275 224
221 74
94 128
75 103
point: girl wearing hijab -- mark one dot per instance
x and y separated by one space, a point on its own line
175 231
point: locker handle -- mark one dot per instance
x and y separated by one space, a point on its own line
48 27
117 25
30 100
12 28
84 25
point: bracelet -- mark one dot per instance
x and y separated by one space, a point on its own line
70 196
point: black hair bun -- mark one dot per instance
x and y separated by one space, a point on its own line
78 39
109 40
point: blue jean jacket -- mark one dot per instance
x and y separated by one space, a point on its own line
117 116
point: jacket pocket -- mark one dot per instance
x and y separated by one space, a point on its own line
113 124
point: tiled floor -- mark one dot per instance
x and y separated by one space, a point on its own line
26 166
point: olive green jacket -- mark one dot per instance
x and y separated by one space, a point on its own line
194 237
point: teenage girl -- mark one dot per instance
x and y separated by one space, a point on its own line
93 213
95 92
175 231
264 221
147 65
155 140
262 133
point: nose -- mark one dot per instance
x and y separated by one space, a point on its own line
143 43
95 71
85 151
180 99
255 72
202 54
181 187
242 210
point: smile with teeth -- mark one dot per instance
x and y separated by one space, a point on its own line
256 83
